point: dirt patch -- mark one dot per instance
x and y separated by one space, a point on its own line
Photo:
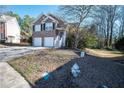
34 65
105 53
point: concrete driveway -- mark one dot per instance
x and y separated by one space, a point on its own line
8 76
13 52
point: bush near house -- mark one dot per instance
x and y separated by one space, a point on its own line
86 39
26 37
2 41
70 41
89 42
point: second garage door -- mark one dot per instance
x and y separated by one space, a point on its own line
48 41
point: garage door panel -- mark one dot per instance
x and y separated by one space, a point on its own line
37 41
48 41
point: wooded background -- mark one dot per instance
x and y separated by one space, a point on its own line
88 26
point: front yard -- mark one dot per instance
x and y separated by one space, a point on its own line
34 65
95 70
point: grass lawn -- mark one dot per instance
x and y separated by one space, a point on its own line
106 53
34 65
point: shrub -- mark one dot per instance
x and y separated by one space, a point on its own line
70 40
30 40
2 41
120 44
89 41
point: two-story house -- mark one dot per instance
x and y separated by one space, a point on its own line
9 29
49 31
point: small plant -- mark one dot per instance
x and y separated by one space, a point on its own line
2 41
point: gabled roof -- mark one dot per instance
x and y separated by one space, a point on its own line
5 18
50 16
56 18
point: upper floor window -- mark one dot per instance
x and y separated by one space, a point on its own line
48 26
37 27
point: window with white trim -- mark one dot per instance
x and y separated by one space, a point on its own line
48 26
37 28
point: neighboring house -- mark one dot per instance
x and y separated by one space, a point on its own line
49 31
9 29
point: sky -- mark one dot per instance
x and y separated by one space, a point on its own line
32 10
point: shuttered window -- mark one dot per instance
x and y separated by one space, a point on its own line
48 26
37 28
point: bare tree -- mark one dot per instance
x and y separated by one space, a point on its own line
99 18
113 18
76 14
106 17
121 19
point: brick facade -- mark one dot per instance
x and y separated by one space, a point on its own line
44 33
58 26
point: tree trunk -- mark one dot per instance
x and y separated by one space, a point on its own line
122 32
76 39
107 39
111 34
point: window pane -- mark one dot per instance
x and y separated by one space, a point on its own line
48 26
37 27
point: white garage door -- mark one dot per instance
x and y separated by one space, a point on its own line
37 41
48 41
